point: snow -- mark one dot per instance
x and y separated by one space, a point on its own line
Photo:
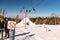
22 23
38 32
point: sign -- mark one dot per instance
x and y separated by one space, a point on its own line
11 24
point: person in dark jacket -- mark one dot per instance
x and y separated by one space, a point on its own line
1 27
2 23
6 29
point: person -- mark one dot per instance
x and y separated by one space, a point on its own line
6 29
2 23
1 27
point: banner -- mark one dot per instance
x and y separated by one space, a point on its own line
11 24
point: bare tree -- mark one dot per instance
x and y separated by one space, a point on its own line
54 15
0 11
17 18
3 12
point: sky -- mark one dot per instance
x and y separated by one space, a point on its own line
43 8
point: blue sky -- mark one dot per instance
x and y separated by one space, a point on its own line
45 8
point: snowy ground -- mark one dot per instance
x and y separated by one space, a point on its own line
39 32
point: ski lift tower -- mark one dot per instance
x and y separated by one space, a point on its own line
25 11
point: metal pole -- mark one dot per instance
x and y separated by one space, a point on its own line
25 20
13 34
25 17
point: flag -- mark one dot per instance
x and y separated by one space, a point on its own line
24 10
33 9
29 10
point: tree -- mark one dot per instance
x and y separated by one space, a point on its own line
54 15
17 18
2 12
